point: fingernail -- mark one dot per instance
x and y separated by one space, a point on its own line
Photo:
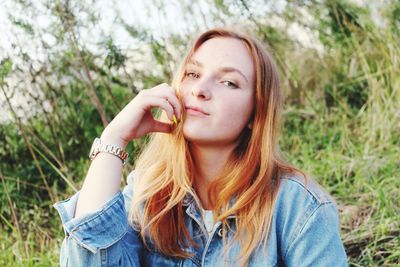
174 118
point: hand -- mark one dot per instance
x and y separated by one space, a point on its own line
135 119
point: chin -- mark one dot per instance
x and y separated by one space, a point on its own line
196 137
205 140
193 137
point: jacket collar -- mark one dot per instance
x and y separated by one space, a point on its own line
187 199
190 202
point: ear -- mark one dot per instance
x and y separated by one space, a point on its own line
250 125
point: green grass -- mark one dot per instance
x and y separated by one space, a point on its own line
366 186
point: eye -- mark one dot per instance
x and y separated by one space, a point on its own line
230 84
192 74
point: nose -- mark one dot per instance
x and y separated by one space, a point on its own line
201 90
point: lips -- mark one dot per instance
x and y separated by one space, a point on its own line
196 110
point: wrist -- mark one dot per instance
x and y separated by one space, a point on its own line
100 146
109 138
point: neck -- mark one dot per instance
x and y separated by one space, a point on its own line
209 162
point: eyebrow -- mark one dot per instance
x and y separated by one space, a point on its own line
223 69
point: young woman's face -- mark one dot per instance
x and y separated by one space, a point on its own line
217 91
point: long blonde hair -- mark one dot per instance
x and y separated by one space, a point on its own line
250 177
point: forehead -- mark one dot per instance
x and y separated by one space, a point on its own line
225 52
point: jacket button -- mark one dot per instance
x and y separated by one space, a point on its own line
220 232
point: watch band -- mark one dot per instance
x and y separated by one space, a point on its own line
98 146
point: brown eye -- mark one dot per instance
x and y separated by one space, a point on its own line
192 74
230 84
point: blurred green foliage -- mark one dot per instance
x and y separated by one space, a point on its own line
341 119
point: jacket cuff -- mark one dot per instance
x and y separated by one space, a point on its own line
96 230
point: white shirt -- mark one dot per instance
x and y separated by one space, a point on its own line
208 218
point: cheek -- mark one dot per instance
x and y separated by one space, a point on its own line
184 88
235 114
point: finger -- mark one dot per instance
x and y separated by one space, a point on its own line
176 104
168 93
162 127
162 103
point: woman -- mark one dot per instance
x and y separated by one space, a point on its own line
209 189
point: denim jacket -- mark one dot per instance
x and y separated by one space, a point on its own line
304 232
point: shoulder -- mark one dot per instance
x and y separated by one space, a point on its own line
296 185
302 206
306 219
299 198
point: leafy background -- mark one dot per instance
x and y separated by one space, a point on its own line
63 80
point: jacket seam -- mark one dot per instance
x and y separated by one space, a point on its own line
85 222
95 249
96 214
304 225
313 195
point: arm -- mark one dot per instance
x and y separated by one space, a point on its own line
102 181
95 220
318 243
102 238
135 120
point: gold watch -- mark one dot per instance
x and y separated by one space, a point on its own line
98 146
